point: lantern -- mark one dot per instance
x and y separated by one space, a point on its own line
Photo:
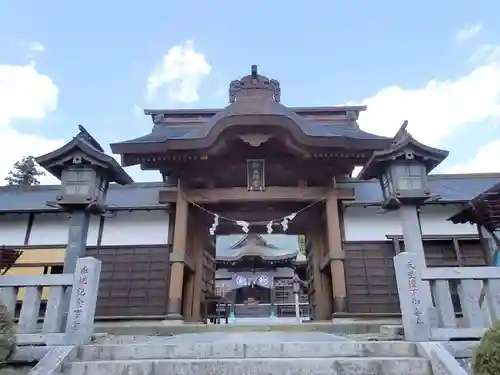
81 185
85 172
402 169
404 180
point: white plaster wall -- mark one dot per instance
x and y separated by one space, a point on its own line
13 229
370 224
52 229
136 228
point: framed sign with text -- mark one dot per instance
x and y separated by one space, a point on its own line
256 175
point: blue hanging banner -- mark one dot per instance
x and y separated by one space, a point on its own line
252 279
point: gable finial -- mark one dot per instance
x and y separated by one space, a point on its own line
254 71
269 88
85 135
401 134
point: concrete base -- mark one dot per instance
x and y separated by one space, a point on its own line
175 317
255 353
343 326
275 366
173 322
392 330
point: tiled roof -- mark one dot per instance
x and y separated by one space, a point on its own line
137 195
257 246
445 187
448 188
162 133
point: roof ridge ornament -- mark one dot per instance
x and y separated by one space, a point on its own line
254 81
85 136
402 134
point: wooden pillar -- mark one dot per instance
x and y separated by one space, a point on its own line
336 254
199 257
325 279
319 296
178 253
188 298
188 289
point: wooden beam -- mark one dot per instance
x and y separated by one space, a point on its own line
168 195
437 237
240 194
274 193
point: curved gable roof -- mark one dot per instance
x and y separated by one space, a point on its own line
255 100
253 245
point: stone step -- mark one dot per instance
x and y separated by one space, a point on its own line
266 366
229 350
249 311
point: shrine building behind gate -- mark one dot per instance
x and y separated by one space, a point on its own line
255 161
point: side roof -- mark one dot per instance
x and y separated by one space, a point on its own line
483 209
144 195
446 188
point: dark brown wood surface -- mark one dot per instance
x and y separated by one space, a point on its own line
133 280
370 278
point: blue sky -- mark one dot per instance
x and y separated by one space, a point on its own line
436 64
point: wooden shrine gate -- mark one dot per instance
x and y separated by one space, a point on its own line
192 275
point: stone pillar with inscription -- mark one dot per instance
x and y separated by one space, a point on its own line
412 237
174 307
411 291
336 254
80 322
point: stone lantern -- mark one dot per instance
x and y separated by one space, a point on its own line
85 172
404 181
402 171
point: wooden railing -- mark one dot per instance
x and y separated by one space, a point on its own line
80 288
418 316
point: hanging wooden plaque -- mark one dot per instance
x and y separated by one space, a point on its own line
256 175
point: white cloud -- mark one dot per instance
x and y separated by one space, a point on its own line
485 160
487 52
468 32
36 47
25 94
180 74
138 112
438 108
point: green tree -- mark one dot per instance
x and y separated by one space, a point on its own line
25 173
486 359
7 335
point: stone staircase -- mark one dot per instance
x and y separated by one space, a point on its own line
252 311
248 353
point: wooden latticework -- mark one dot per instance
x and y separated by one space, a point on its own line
370 277
134 280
